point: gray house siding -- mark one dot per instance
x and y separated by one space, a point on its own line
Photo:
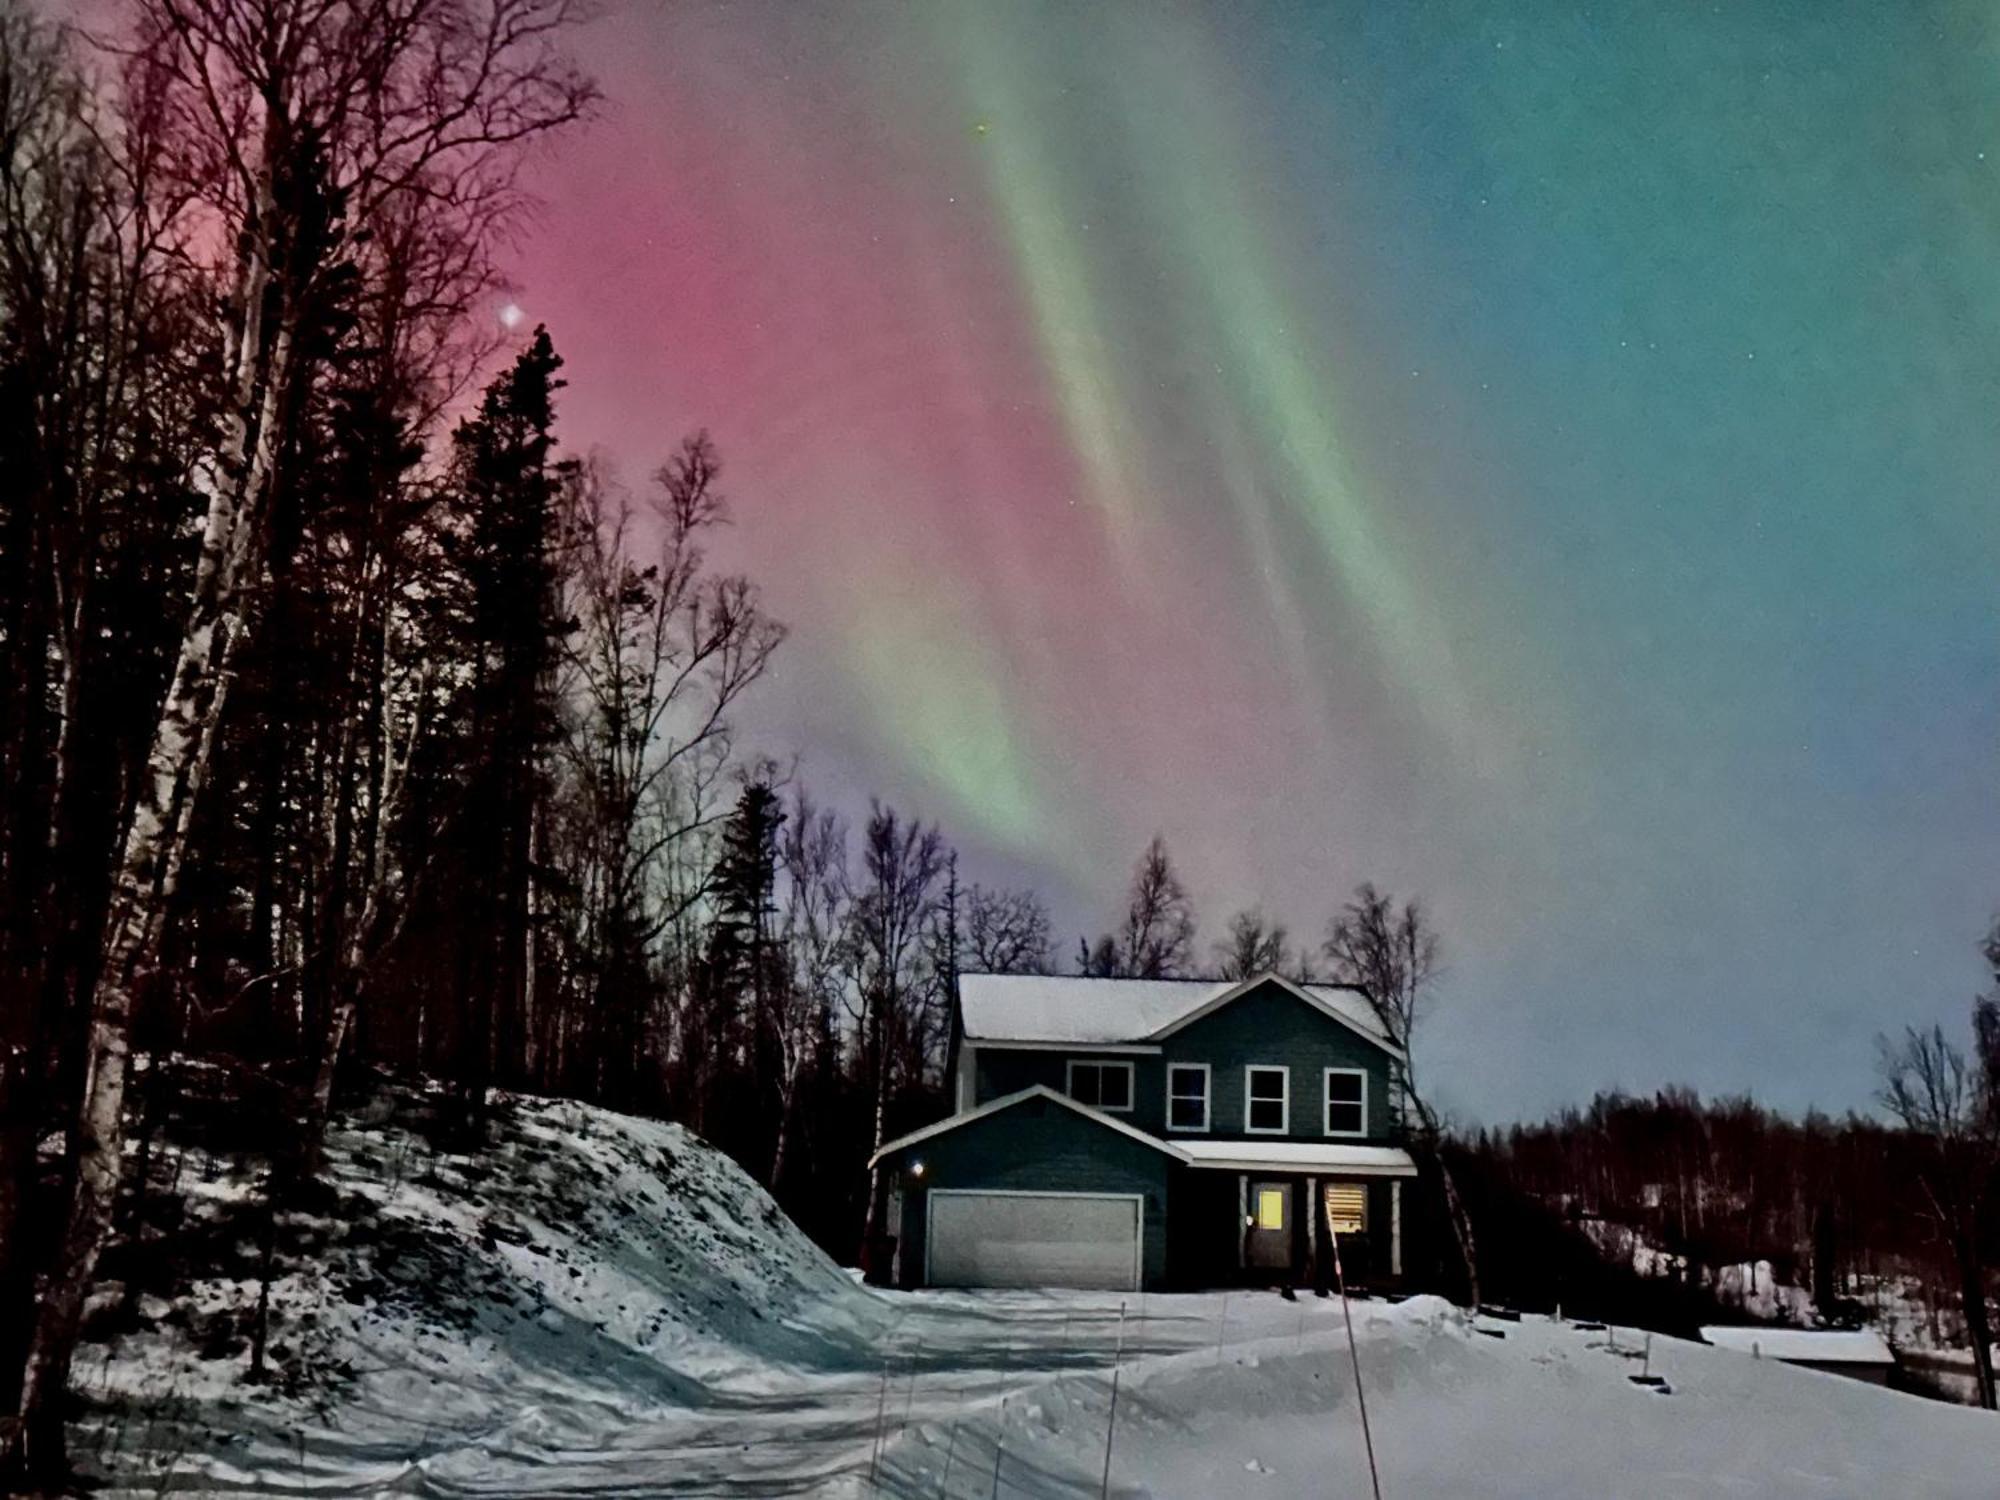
1270 1027
1037 1145
1000 1071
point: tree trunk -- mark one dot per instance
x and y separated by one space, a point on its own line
149 860
1972 1292
871 1219
1461 1229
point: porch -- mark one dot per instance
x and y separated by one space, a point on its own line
1256 1226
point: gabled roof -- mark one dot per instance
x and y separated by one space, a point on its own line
1008 1101
1344 1157
1079 1011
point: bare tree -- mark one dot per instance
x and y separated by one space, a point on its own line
663 652
1157 939
290 120
1393 956
891 912
1946 1101
1252 947
1006 932
812 858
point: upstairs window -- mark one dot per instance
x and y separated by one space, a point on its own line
1346 1101
1267 1100
1187 1096
1102 1085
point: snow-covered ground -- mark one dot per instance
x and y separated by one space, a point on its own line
603 1306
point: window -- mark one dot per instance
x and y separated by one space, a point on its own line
1347 1207
1187 1096
1102 1085
1270 1208
1267 1099
1346 1101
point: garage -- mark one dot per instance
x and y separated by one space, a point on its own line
1030 1239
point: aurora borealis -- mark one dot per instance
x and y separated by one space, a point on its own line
1542 457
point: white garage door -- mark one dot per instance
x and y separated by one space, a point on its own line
1034 1239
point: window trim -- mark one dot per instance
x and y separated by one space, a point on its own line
1207 1097
1326 1103
1131 1082
1284 1072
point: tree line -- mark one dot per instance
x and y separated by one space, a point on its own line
350 722
1853 1211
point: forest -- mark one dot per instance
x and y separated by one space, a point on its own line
352 722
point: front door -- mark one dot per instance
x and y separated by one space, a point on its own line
1267 1242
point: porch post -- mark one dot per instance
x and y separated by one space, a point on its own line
1311 1210
1242 1221
1396 1226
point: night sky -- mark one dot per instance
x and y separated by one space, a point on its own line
1541 457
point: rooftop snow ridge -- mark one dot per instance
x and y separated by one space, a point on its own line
1084 1009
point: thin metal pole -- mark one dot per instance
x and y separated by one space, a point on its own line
910 1397
881 1412
1111 1420
1354 1355
951 1448
999 1452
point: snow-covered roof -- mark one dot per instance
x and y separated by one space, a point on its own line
1067 1008
1300 1156
1825 1346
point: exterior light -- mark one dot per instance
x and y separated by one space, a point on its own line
916 1169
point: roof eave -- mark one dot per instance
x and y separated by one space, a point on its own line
1008 1101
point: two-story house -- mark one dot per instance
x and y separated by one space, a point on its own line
1128 1133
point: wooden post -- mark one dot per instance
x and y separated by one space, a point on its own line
1312 1229
1396 1227
1242 1221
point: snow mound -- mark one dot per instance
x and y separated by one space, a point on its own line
1548 1411
463 1316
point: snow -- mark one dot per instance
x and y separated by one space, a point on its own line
1301 1156
1077 1010
604 1306
1546 1410
1861 1346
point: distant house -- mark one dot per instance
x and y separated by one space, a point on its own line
1127 1133
1857 1353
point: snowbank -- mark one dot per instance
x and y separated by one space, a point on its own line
1546 1410
473 1315
604 1306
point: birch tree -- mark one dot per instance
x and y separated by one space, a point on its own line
1393 956
291 122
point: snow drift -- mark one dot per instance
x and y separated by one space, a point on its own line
599 1305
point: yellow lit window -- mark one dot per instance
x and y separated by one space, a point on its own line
1270 1208
1347 1207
